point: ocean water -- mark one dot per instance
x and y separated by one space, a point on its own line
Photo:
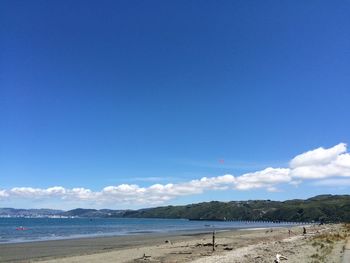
13 230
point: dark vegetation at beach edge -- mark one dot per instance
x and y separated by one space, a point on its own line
322 208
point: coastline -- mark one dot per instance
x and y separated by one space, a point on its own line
179 247
38 229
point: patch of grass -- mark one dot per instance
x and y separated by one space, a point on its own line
329 241
325 242
315 244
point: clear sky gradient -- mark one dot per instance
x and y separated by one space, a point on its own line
101 93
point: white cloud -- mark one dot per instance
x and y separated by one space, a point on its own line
266 178
322 163
319 156
35 192
3 194
127 193
80 193
317 164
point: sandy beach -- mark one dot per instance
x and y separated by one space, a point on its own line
321 244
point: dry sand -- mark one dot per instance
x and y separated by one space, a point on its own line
321 244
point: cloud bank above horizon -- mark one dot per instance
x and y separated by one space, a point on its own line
317 165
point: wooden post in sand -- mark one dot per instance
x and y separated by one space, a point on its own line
214 240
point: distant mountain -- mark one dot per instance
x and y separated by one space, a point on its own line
326 208
81 212
13 212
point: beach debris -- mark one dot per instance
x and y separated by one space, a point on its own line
206 244
182 253
228 248
168 242
279 257
145 257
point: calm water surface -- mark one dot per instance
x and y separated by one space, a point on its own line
37 229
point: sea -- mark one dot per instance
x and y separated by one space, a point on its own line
15 230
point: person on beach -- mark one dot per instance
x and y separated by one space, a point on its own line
304 231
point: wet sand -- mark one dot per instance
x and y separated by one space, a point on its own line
25 252
262 245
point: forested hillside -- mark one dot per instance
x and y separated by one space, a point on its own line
327 208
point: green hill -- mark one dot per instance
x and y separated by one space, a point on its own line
327 208
324 208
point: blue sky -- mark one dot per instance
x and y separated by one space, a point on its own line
104 93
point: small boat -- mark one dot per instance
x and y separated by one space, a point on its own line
21 228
